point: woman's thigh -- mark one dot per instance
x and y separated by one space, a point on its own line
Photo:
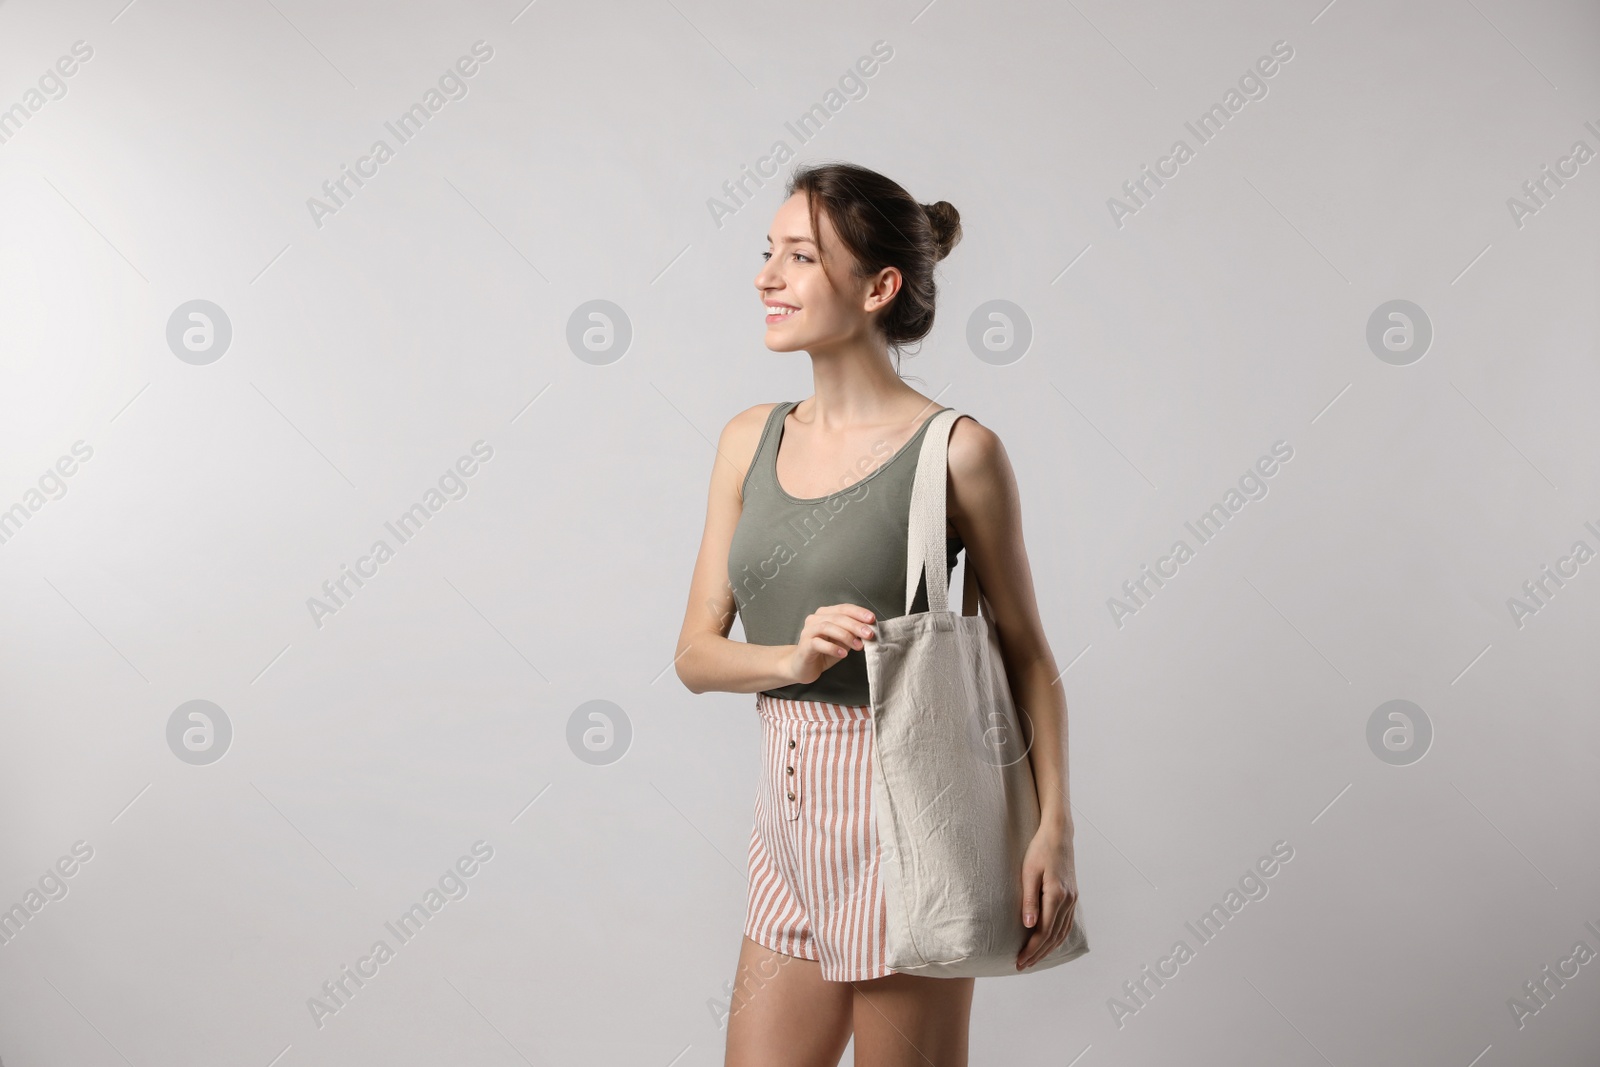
784 1014
906 1019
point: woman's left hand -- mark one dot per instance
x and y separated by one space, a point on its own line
1049 893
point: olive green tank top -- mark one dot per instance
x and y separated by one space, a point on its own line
790 556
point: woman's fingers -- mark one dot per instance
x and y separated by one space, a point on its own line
832 643
855 611
1032 880
1058 929
1052 929
828 635
840 629
1061 926
827 647
1036 904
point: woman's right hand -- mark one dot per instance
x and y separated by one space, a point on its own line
828 634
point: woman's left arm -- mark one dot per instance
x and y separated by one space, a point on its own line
986 510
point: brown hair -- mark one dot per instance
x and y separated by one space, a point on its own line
880 224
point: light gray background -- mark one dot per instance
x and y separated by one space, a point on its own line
432 710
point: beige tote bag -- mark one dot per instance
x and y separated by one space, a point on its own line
952 786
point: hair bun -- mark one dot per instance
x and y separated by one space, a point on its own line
946 223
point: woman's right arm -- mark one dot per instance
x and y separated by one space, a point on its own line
706 659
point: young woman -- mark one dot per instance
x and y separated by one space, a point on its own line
805 537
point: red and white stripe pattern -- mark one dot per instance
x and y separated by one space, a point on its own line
814 889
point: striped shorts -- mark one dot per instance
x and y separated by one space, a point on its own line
814 889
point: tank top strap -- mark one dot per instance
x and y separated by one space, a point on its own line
761 462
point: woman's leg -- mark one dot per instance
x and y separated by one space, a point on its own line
784 1014
907 1020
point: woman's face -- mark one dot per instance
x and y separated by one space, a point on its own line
803 308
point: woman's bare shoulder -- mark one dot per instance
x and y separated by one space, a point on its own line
751 418
742 436
981 478
974 449
745 427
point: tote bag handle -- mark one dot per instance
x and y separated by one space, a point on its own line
925 545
